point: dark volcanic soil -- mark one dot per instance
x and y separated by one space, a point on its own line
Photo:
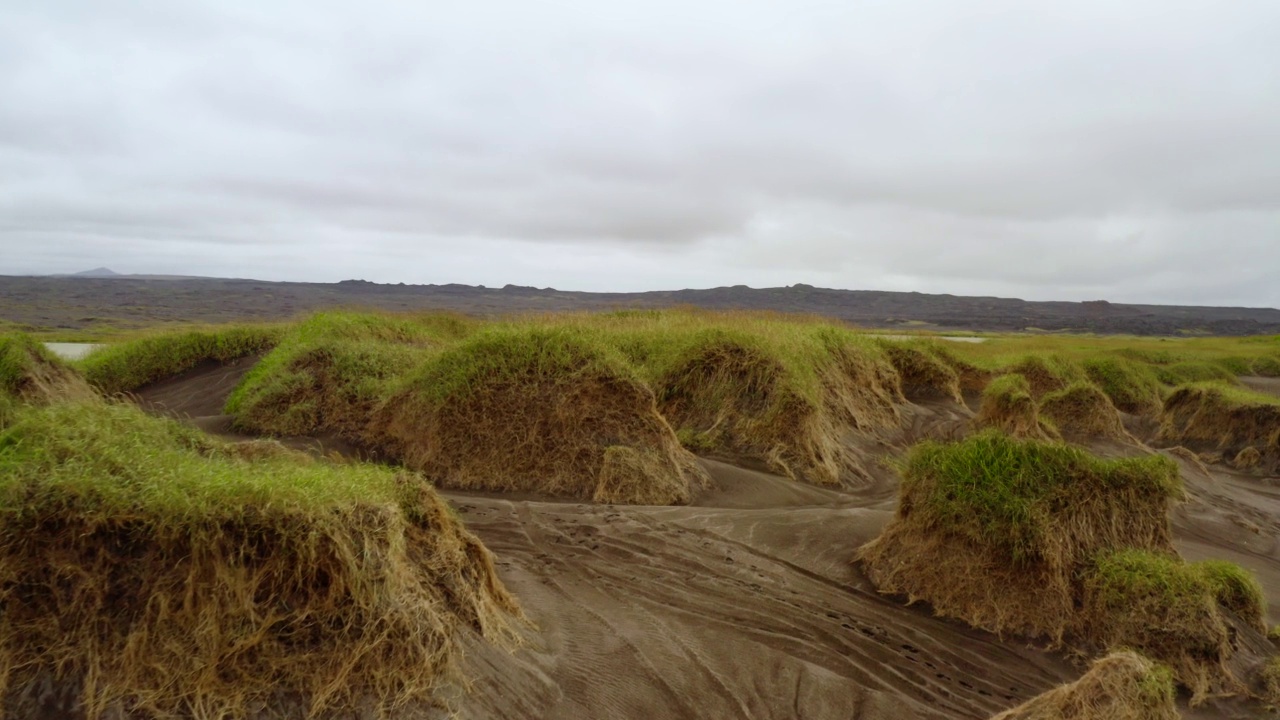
88 303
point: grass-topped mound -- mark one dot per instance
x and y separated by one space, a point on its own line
128 366
784 395
1082 411
148 571
1021 536
1046 373
1194 371
1121 686
549 410
1211 416
1007 405
31 374
925 372
329 372
1132 386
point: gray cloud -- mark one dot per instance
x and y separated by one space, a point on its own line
1121 150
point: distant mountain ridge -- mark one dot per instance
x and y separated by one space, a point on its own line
76 302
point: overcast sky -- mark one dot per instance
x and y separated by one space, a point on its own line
1118 149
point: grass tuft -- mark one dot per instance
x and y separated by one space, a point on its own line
128 366
1121 686
1132 386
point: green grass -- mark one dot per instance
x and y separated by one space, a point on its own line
1001 492
1233 395
1132 386
1234 588
1008 389
1194 371
128 366
1266 366
1122 578
660 343
511 356
114 461
328 371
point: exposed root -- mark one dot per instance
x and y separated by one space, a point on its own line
1120 686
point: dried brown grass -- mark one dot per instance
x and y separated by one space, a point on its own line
1008 405
1121 686
1083 411
551 415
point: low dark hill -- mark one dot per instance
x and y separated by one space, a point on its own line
89 302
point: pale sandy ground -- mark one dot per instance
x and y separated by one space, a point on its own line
746 605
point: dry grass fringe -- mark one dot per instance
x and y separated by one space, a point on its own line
539 410
30 374
1121 686
1008 405
136 600
1082 411
924 375
1027 513
1044 540
736 398
1210 417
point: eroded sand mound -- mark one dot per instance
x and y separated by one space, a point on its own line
538 411
31 374
737 395
1212 417
1044 540
149 571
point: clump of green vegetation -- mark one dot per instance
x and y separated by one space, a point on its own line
547 409
749 397
1007 405
1236 590
1235 364
1266 366
328 372
127 366
1194 371
763 387
1132 386
1047 540
148 567
1004 493
1121 686
1168 608
1082 410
